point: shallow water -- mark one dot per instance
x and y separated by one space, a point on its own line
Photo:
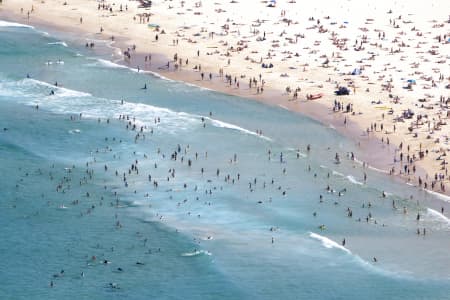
195 236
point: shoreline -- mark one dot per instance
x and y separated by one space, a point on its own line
371 148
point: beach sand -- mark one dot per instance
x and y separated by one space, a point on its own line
393 57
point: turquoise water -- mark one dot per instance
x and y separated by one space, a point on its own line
67 219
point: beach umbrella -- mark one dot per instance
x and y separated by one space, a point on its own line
153 25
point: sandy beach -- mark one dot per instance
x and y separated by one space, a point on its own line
390 60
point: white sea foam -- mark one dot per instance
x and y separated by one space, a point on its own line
327 243
58 43
59 91
297 151
109 64
197 86
302 154
378 170
330 244
73 131
116 65
157 75
336 173
196 253
34 92
372 168
353 180
36 89
222 124
12 24
56 62
439 195
437 215
93 107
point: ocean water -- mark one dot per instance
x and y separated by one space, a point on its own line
81 215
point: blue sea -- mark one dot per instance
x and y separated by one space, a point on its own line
112 191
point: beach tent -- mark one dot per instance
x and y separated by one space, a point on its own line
356 71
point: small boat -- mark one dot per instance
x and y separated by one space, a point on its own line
314 96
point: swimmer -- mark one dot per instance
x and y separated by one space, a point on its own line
337 159
114 285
